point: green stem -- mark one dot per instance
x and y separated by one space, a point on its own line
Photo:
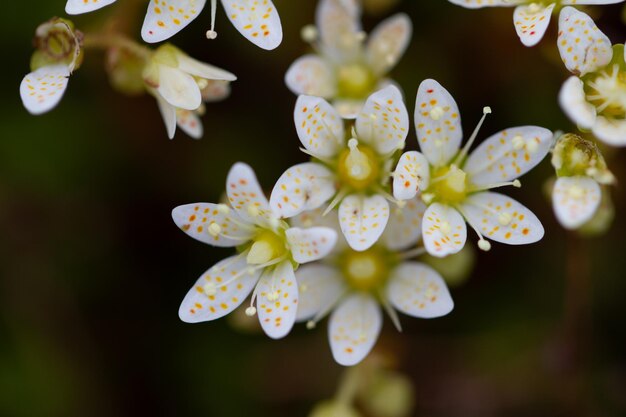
107 41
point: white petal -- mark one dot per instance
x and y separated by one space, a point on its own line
317 218
574 103
508 154
363 219
215 90
41 90
202 69
302 187
190 123
82 6
319 126
199 306
419 291
477 4
320 287
311 75
502 219
258 21
339 27
590 1
196 220
575 200
583 47
443 230
168 112
610 131
164 21
179 88
404 228
245 194
384 121
531 22
277 301
388 42
412 174
438 123
348 108
312 244
354 328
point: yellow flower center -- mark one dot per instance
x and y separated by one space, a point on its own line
266 247
449 185
355 81
365 271
358 166
607 92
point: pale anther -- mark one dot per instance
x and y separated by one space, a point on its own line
436 113
223 208
484 245
310 324
486 110
252 210
309 33
518 142
504 218
250 311
445 227
211 34
209 288
517 183
214 229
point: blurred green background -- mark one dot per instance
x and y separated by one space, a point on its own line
92 268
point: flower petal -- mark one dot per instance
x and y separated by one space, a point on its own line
197 219
312 244
311 75
477 4
317 218
419 291
388 42
610 131
531 22
339 28
575 200
277 301
215 90
81 6
320 287
443 230
319 126
258 21
412 174
348 108
168 112
354 328
574 103
190 123
404 228
583 47
502 219
363 219
200 304
162 22
202 69
384 121
302 187
245 194
437 122
507 155
41 90
179 88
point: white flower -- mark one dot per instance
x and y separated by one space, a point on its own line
268 252
344 70
595 97
180 85
85 6
454 185
531 17
354 285
258 20
356 172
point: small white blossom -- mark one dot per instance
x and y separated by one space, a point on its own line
454 184
347 67
269 250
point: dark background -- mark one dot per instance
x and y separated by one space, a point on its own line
92 268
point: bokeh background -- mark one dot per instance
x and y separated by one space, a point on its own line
92 269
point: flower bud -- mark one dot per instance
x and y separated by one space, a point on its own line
125 71
575 156
57 42
333 409
389 394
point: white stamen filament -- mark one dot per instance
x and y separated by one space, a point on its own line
336 200
465 150
211 33
514 183
413 253
357 162
483 244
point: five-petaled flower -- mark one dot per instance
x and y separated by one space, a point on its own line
454 185
355 171
595 97
344 70
269 251
531 17
353 285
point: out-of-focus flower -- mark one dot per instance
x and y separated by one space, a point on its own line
269 250
531 17
354 285
180 85
258 20
58 54
334 408
456 268
356 172
345 70
85 6
388 394
455 186
595 97
581 170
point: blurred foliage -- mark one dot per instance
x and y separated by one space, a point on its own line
93 269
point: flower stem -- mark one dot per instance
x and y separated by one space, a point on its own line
108 41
